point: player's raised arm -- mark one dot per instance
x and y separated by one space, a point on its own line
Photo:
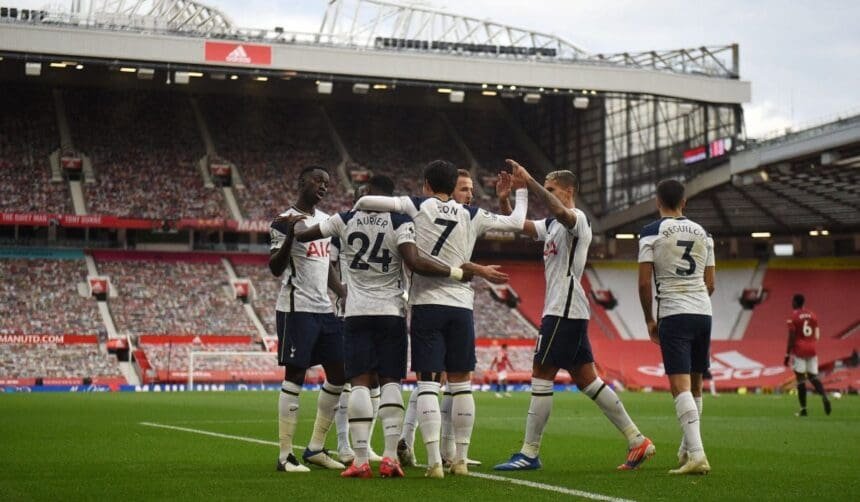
503 192
383 203
564 215
282 240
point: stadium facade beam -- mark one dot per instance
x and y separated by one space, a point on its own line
758 205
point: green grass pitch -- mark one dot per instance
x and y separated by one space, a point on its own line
93 446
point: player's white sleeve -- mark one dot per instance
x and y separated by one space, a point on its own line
711 260
646 249
403 205
332 226
405 233
512 222
540 230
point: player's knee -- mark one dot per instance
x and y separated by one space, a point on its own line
459 377
544 372
294 375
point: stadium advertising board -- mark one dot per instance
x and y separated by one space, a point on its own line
40 339
238 53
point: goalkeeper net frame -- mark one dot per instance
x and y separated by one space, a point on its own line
195 355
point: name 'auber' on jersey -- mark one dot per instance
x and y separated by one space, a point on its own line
680 249
370 260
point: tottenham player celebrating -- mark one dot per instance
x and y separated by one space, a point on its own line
563 341
374 247
308 331
442 330
679 255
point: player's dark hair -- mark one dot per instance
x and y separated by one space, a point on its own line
309 170
441 175
382 185
798 300
670 193
564 178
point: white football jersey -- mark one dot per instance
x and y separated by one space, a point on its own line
446 231
305 284
680 249
370 260
565 252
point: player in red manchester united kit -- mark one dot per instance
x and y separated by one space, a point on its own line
802 335
502 364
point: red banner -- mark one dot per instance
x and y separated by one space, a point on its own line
71 220
187 339
238 53
40 339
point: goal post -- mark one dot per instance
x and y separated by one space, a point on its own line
248 365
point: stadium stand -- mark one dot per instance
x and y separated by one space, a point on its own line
820 281
40 297
270 141
621 278
57 361
266 286
395 142
144 147
172 294
494 319
28 135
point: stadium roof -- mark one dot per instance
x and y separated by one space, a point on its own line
375 39
792 184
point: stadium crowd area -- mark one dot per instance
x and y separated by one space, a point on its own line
52 360
394 141
144 147
267 287
174 298
41 297
270 141
28 136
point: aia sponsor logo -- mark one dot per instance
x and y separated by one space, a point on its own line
729 365
317 249
550 249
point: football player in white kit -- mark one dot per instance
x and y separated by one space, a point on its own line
374 247
679 255
308 331
563 340
442 330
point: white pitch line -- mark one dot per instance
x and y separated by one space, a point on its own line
481 475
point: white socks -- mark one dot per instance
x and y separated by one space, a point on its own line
608 402
698 401
391 415
288 417
539 410
447 445
429 419
462 417
410 420
374 401
327 405
360 418
688 417
341 420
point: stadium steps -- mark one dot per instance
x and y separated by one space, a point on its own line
129 373
474 165
743 320
78 201
620 326
248 307
340 146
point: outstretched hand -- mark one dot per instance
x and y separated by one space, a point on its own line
488 272
290 220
